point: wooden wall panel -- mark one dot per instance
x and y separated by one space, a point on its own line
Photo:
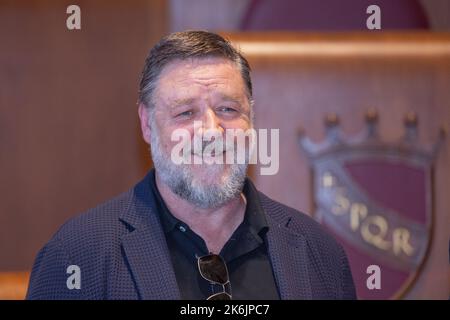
69 134
300 78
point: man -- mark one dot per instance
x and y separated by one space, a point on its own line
195 230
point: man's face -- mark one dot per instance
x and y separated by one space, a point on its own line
207 90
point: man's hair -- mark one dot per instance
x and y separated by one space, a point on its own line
185 45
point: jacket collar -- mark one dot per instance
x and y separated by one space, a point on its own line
145 247
288 255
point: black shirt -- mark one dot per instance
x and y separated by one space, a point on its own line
245 253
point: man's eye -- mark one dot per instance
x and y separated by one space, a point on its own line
185 114
226 109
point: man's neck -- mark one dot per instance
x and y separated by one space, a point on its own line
214 225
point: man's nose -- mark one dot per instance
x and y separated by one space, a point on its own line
210 122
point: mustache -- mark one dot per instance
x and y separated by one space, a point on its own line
215 147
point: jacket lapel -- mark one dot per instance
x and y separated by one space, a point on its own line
145 248
288 254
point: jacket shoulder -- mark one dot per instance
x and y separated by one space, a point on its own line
100 221
298 222
325 254
87 241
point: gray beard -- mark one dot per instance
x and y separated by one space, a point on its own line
181 181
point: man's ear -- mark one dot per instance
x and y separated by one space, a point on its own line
144 116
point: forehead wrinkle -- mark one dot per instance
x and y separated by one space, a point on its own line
195 82
198 91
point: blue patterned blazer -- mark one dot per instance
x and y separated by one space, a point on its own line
122 253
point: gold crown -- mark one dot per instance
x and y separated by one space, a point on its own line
369 140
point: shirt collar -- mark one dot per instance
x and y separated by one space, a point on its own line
168 221
254 213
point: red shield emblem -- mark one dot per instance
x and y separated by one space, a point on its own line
376 199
